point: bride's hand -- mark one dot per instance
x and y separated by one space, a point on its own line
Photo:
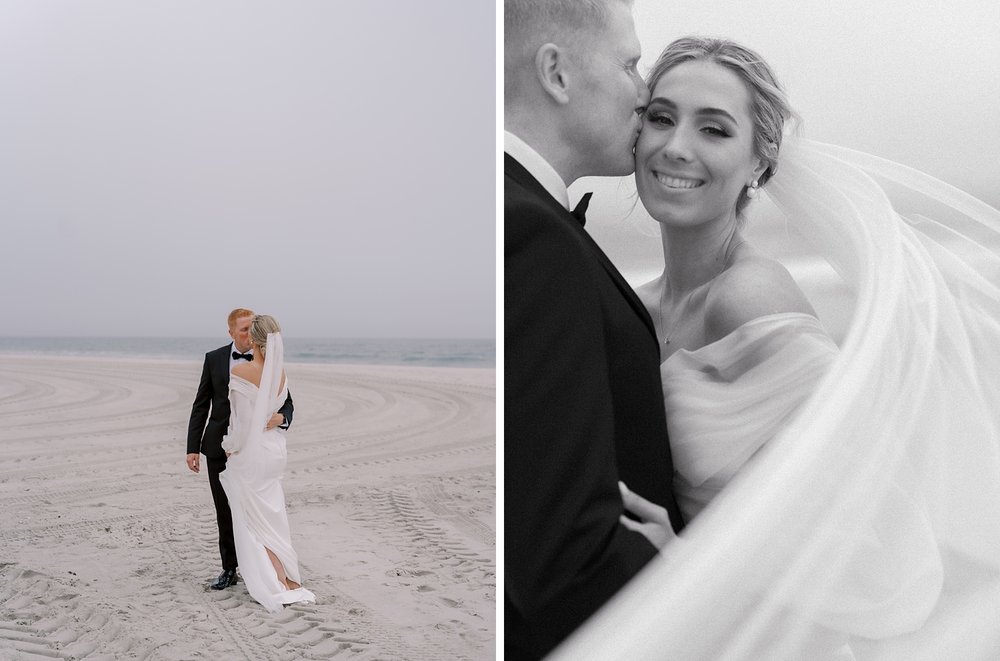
654 523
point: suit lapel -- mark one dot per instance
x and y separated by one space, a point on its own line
516 171
622 285
223 365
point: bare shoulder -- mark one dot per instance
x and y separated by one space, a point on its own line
753 287
247 372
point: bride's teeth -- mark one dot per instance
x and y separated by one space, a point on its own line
674 182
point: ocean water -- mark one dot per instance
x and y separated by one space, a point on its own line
360 351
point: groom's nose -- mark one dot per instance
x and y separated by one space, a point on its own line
643 93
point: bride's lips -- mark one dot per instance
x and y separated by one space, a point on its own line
677 183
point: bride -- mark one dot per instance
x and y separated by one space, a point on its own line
842 501
252 479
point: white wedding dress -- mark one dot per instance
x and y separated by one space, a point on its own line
725 400
841 502
252 481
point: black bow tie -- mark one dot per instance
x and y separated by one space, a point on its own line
580 211
245 356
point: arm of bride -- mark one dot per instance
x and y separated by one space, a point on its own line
240 412
283 418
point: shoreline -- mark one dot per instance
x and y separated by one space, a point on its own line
200 359
417 352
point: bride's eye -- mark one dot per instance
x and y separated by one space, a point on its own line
716 131
660 118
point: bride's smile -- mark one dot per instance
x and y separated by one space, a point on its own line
676 182
695 154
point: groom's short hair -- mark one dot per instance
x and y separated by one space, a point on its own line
527 24
520 14
238 313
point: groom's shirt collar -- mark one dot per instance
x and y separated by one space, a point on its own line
233 361
537 167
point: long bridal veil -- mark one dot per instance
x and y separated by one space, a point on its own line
270 382
869 527
267 391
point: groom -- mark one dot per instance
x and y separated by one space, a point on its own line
583 400
213 395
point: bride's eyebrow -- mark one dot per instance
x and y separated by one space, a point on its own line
710 112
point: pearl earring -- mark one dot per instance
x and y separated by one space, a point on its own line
752 189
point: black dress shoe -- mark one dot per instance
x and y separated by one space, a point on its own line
226 579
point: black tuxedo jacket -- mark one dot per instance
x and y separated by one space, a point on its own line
211 403
583 408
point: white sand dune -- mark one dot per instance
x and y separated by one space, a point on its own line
108 542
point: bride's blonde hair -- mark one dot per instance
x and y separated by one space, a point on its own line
260 326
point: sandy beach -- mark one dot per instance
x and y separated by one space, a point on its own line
108 542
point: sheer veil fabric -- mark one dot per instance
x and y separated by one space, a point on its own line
270 383
868 527
264 396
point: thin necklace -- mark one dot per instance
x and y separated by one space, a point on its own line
668 332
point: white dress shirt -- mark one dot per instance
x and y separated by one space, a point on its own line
537 167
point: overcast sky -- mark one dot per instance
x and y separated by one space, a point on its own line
330 163
914 82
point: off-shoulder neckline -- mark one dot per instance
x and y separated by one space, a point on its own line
777 316
246 380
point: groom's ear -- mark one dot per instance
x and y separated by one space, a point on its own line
550 67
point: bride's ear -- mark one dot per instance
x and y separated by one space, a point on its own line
551 70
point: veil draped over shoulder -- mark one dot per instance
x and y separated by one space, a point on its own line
270 385
869 526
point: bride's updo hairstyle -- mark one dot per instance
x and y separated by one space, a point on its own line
769 104
260 326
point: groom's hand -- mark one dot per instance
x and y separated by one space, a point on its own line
194 462
654 523
276 419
